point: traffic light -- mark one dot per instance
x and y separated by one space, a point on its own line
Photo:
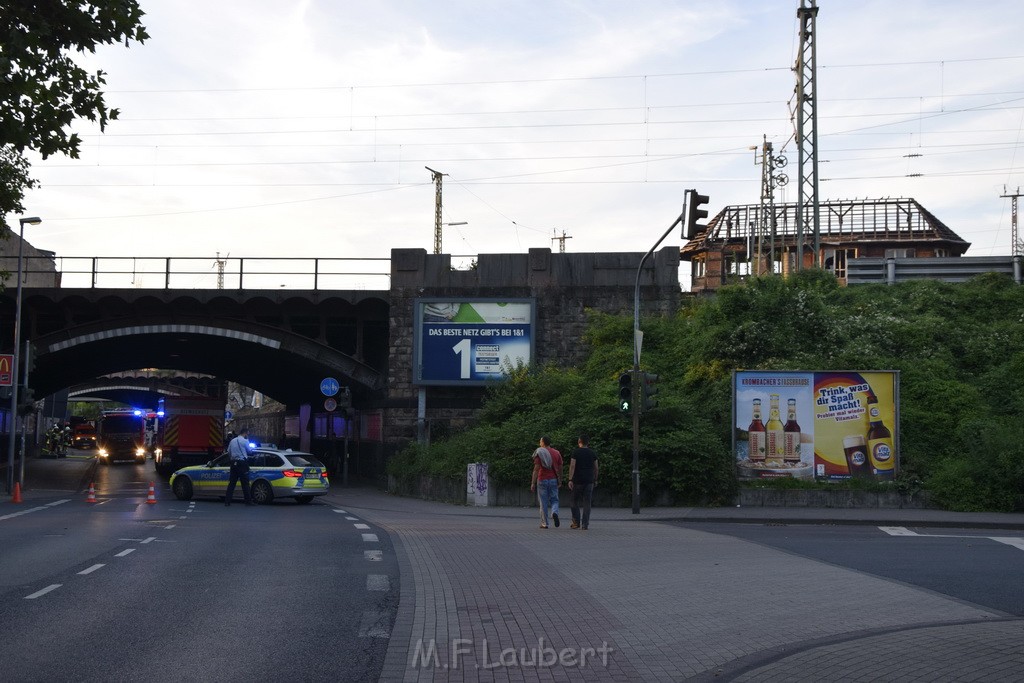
649 390
345 398
695 213
625 392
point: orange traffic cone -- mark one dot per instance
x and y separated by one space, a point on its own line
17 493
152 494
91 498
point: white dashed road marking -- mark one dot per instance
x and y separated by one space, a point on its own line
377 582
373 625
897 531
370 538
373 555
91 569
125 552
361 526
46 590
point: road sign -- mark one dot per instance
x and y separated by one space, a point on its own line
228 415
329 386
330 404
6 370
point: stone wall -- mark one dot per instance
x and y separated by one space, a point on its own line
564 286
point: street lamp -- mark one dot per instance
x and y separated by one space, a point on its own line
32 220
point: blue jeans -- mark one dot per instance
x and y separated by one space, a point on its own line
547 495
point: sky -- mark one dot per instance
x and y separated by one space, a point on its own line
271 128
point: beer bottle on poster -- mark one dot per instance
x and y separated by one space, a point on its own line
791 434
774 447
879 443
755 433
855 450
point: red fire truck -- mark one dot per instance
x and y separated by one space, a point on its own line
190 432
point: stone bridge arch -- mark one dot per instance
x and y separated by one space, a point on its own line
280 363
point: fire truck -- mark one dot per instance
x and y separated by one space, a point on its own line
121 435
190 431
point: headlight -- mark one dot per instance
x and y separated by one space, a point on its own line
140 451
102 452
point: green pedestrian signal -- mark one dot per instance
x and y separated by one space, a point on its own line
626 392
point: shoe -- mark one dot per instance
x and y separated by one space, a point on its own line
585 528
543 526
574 525
554 516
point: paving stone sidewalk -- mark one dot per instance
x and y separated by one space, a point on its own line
488 596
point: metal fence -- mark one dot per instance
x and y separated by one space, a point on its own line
193 272
891 270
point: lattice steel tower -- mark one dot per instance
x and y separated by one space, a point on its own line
807 133
1015 245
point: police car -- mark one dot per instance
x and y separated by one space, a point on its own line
273 473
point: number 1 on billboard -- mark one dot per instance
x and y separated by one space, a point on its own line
463 349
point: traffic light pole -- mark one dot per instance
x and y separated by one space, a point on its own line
636 362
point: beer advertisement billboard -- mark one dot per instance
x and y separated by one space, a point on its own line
824 426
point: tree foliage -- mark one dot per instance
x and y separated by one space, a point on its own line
43 90
959 349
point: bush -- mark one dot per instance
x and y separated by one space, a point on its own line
956 347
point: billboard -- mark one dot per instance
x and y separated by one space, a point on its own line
825 426
470 341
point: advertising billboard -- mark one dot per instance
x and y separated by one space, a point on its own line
470 341
826 426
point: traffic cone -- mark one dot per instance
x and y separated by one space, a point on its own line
17 493
152 494
91 498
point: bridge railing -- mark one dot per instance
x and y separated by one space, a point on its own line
194 272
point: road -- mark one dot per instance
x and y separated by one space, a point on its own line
122 589
983 567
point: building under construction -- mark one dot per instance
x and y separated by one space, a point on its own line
758 239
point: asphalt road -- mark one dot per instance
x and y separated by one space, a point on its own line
983 567
126 590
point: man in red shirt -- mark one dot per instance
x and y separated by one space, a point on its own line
546 478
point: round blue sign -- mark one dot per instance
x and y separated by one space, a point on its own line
329 386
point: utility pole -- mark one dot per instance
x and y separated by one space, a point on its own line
221 263
1015 245
437 175
807 215
770 179
561 241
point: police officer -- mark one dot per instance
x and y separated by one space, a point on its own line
238 450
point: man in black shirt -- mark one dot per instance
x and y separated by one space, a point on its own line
582 480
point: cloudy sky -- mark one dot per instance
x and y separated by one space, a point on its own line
257 128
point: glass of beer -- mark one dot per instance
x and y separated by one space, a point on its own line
856 450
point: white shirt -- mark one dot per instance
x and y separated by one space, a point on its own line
239 447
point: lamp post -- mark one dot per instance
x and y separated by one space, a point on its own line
32 220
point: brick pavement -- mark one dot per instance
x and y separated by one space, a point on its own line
487 596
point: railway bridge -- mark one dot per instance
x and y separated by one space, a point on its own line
279 326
